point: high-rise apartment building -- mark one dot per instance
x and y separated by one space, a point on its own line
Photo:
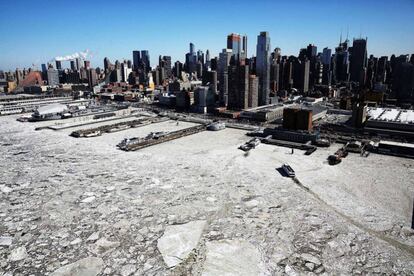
263 66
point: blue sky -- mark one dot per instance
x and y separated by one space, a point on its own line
37 31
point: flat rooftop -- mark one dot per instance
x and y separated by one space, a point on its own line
391 115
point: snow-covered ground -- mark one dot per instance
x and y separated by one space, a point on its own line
66 202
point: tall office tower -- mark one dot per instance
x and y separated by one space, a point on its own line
52 77
145 61
199 69
136 59
192 51
301 75
214 63
116 75
274 76
44 71
191 60
276 54
314 71
167 65
107 64
156 76
224 62
58 65
244 47
79 64
370 72
253 96
403 79
208 62
19 76
83 74
238 81
341 63
117 64
178 68
326 56
326 62
125 71
358 62
234 43
87 64
311 51
210 79
92 78
263 66
381 69
129 64
73 65
285 73
200 56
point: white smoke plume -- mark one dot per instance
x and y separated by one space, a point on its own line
82 55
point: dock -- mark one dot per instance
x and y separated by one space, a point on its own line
147 142
97 131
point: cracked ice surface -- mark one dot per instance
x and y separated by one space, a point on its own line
63 200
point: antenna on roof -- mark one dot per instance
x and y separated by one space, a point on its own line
347 32
340 38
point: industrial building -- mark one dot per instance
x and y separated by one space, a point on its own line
296 118
264 113
390 118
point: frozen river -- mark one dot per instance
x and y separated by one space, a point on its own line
196 206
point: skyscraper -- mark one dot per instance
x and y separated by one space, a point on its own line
358 62
52 76
191 60
107 64
136 58
224 62
326 62
311 51
301 75
341 63
234 43
238 87
58 65
208 63
244 47
192 51
263 66
79 63
381 69
166 63
145 60
403 79
73 65
253 91
92 78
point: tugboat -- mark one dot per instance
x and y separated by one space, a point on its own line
334 159
254 142
128 141
288 170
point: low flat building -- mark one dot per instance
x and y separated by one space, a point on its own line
264 113
390 118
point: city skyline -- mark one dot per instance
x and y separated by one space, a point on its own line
290 30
